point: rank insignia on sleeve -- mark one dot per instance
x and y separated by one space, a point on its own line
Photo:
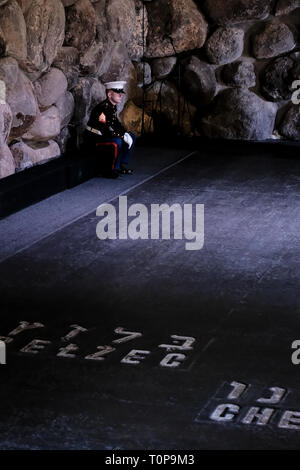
102 118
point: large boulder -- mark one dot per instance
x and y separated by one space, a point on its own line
19 95
275 38
30 153
5 121
96 60
284 7
13 30
2 44
7 163
239 74
67 60
163 66
290 125
98 93
9 71
119 61
174 27
116 22
278 76
50 87
65 105
80 25
2 92
226 12
199 81
131 88
24 5
121 19
240 114
45 35
163 101
64 140
143 73
140 31
225 45
68 3
101 50
132 119
82 96
45 127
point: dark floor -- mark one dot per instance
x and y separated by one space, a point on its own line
238 298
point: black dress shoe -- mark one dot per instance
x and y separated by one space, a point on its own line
125 171
112 174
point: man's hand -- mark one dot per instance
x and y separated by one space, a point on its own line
128 139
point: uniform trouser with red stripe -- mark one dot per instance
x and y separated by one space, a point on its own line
124 151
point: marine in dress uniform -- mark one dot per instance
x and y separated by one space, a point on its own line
105 127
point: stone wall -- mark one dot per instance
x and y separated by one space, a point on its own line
219 68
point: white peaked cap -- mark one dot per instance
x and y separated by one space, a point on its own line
115 85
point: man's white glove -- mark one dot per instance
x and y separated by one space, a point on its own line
128 139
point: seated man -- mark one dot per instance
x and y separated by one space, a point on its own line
104 127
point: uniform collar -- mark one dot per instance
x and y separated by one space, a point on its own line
114 107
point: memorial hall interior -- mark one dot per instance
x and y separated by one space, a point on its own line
126 333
